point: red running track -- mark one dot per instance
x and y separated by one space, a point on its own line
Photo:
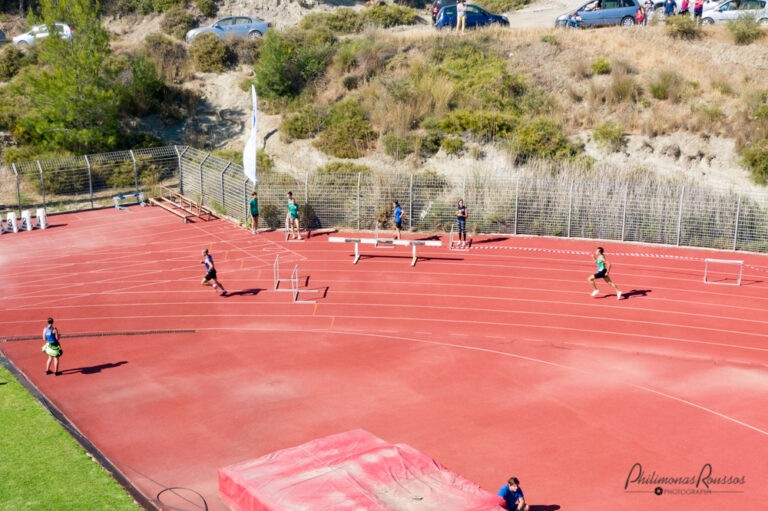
495 362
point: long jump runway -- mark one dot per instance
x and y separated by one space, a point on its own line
495 361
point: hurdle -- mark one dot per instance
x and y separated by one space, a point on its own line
10 223
373 241
722 282
276 274
381 242
295 287
42 218
288 231
456 245
121 206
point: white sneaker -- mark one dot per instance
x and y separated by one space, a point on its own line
595 292
618 295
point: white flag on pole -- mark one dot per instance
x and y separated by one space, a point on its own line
249 153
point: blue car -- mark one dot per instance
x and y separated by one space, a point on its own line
598 13
476 17
232 28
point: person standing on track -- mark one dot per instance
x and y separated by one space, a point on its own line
603 269
398 218
293 213
289 197
52 347
253 207
210 276
461 223
513 496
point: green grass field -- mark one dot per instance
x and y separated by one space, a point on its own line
42 467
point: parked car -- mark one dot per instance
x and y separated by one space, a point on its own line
41 32
233 27
439 4
735 9
3 39
476 17
598 13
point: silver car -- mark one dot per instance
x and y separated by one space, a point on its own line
232 28
735 9
41 32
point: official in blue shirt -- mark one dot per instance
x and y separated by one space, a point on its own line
513 495
398 218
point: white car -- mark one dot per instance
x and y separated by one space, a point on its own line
735 9
41 32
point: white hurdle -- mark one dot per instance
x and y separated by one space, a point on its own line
295 287
42 218
382 242
120 205
276 273
10 223
455 245
373 241
723 282
26 221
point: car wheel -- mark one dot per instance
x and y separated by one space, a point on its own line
707 21
254 35
763 21
627 21
22 43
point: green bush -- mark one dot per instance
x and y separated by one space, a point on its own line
722 85
745 30
453 146
169 56
609 135
244 51
177 22
682 27
344 167
11 60
601 66
397 147
306 123
755 157
542 138
342 21
624 88
144 90
667 85
209 54
431 142
207 8
549 39
503 5
487 125
166 5
348 134
387 16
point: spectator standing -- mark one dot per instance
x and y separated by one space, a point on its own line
698 8
669 7
461 15
52 348
253 207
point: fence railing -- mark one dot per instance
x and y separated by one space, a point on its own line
646 210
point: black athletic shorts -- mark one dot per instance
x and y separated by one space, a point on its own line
211 274
601 274
399 224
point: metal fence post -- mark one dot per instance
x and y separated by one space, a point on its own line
570 207
245 202
90 179
202 191
42 182
517 190
736 226
306 199
680 214
135 171
18 186
358 201
410 204
624 213
181 172
221 177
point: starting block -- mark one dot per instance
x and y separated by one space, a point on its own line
120 205
10 223
373 241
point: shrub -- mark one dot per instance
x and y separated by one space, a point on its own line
344 167
11 60
177 22
244 51
711 116
486 125
209 54
166 5
386 16
609 135
144 89
453 146
431 142
549 39
306 123
745 30
397 147
624 88
503 5
207 8
667 85
341 21
601 66
755 158
682 27
348 133
169 56
723 86
542 138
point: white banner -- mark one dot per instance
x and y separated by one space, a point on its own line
249 153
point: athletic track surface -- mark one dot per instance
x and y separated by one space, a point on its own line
495 362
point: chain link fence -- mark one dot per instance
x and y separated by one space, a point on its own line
647 209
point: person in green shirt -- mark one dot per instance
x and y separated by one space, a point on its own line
253 206
293 212
603 268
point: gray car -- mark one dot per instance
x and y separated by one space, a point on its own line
234 27
735 9
598 13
